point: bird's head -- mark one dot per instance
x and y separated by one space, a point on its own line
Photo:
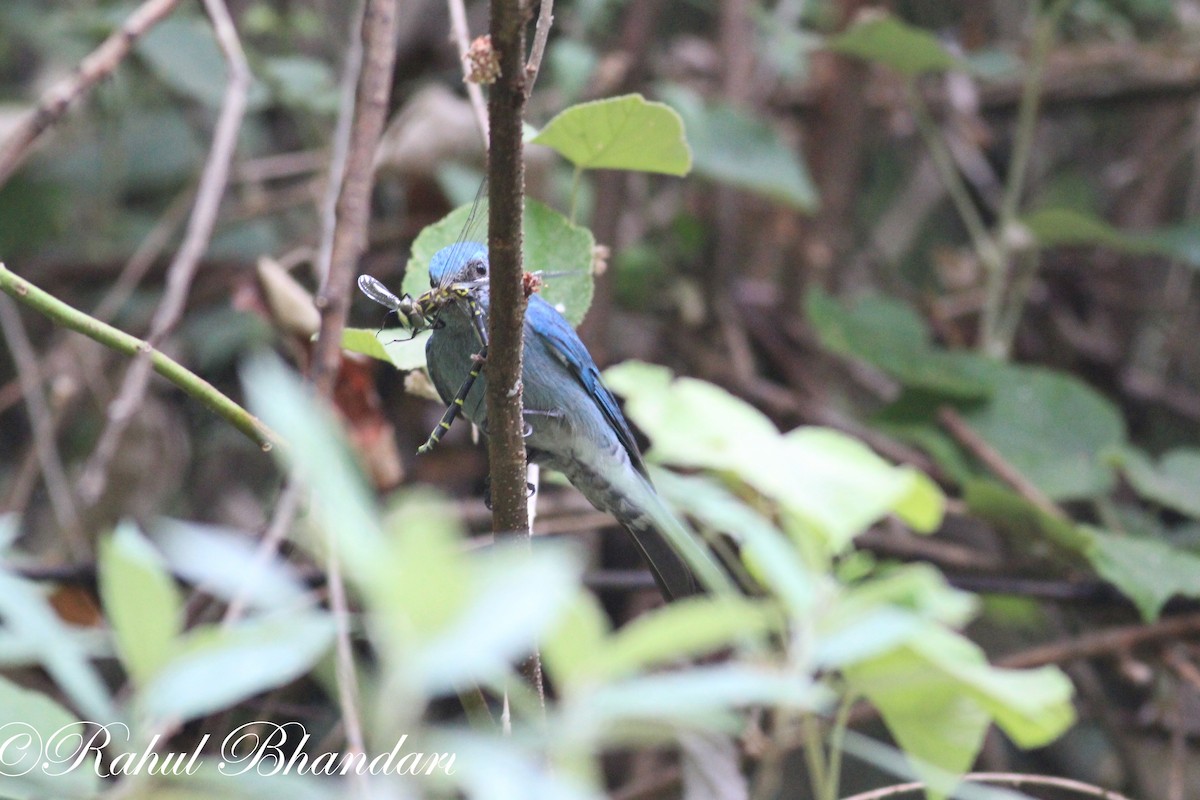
462 263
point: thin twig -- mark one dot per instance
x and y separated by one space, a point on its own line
378 33
462 40
199 232
1102 643
20 289
1014 779
340 148
541 34
41 421
99 64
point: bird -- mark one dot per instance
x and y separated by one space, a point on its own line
574 424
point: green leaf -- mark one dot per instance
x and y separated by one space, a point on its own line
25 772
889 335
514 597
1062 226
141 601
735 148
1172 483
1052 427
396 346
30 620
317 449
1147 571
227 564
552 245
886 40
582 631
828 481
937 694
683 629
924 506
627 132
765 550
183 53
215 667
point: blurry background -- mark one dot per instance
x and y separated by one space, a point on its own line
815 185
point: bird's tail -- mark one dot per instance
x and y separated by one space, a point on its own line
680 562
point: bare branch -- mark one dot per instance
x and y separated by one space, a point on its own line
541 34
462 39
195 242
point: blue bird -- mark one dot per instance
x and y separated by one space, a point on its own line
573 422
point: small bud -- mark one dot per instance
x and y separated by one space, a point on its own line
482 61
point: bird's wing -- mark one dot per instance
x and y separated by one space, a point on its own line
567 348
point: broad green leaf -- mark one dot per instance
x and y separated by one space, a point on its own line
1147 571
229 565
827 480
627 132
1173 483
1027 524
937 694
183 53
141 601
1052 427
924 505
582 631
316 448
396 346
562 251
680 415
30 720
765 550
215 667
639 707
681 630
889 41
735 148
1063 226
889 335
514 597
30 620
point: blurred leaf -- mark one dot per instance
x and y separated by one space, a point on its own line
303 82
553 245
396 346
1147 571
29 618
316 447
824 478
888 334
765 550
1012 513
582 631
1062 226
937 694
1052 427
889 41
572 63
627 132
216 667
141 601
514 597
740 150
25 773
183 53
10 529
679 412
229 565
632 709
1173 483
924 506
681 630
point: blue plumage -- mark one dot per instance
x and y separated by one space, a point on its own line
576 426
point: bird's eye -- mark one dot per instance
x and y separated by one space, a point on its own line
480 268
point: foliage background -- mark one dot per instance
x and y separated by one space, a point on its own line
851 250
